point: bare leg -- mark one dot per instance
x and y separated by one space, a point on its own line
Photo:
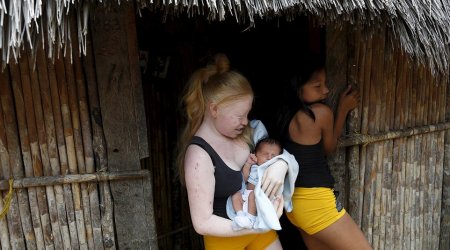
311 242
343 234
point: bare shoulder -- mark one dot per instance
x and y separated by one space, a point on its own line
322 111
197 161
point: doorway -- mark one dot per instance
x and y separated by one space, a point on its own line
169 52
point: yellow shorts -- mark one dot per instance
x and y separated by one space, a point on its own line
314 209
247 242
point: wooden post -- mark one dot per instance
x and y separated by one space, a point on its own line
114 43
99 152
337 77
353 69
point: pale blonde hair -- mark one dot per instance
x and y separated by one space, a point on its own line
215 83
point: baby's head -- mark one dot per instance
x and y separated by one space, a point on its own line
266 149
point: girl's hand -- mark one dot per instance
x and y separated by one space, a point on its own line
278 203
349 99
273 178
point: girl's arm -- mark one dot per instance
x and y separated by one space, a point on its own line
332 128
200 182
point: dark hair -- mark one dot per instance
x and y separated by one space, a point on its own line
270 141
297 76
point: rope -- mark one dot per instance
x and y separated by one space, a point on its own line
7 200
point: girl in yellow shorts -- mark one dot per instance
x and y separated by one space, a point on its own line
310 132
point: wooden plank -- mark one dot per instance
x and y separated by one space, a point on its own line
99 151
120 125
135 78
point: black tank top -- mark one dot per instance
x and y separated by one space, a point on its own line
313 166
228 181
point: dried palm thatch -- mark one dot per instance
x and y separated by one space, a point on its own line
422 27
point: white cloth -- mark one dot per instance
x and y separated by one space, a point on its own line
266 216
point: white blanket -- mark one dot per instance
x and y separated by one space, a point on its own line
266 217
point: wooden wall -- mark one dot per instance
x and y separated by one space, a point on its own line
391 163
72 133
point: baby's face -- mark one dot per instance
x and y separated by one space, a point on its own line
266 152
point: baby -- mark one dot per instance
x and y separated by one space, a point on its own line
244 203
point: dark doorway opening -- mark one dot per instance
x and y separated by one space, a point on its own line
169 52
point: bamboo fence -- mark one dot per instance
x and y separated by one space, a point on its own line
52 146
396 146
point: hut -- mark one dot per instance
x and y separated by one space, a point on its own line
89 95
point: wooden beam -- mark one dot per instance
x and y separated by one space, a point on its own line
43 181
361 139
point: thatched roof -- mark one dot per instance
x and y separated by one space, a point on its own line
422 27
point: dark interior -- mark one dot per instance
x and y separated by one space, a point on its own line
171 50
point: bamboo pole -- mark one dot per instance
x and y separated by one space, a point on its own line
53 117
367 151
389 89
364 139
74 178
428 172
378 83
95 237
424 87
28 202
18 216
436 181
36 161
42 105
364 88
54 68
398 156
409 163
99 149
440 179
4 171
79 153
66 76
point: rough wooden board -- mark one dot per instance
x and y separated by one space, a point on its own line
117 96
